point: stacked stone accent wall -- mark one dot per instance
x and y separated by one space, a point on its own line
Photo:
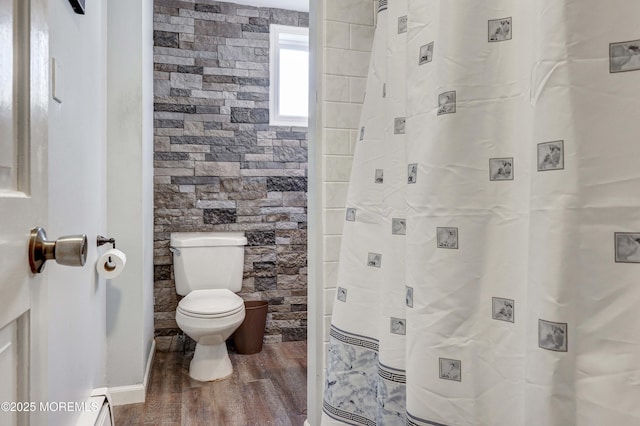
219 166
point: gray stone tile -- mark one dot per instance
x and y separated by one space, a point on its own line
256 238
165 39
287 184
249 115
212 8
290 154
250 28
284 17
218 216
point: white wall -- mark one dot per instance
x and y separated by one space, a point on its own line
315 262
77 204
130 189
147 177
343 35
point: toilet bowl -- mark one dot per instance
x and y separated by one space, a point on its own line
208 269
210 317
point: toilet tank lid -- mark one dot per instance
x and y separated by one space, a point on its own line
208 239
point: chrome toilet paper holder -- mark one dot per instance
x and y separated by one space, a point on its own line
100 241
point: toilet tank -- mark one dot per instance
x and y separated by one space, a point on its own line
208 260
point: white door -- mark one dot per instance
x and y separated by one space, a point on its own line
23 185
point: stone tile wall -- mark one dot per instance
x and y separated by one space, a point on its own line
219 166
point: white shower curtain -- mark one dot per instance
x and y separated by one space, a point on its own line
490 263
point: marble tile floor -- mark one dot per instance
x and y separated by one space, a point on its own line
268 388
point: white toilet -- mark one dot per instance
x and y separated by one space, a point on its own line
208 270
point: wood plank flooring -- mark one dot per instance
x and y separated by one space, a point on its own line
268 388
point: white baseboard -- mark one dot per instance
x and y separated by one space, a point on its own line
134 394
306 423
147 370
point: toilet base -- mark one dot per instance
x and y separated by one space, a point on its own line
210 362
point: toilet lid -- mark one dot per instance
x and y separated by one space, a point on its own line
211 302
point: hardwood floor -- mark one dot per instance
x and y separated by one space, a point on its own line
268 388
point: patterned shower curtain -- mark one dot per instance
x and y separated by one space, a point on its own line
490 263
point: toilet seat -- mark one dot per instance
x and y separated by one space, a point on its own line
211 303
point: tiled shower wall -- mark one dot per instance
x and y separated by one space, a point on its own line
347 42
219 166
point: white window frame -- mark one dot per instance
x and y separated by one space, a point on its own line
275 119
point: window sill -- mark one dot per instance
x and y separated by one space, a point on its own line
288 123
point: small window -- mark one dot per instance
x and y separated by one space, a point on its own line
289 85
